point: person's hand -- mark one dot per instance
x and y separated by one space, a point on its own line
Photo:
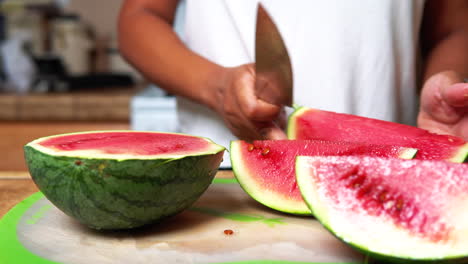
444 105
247 116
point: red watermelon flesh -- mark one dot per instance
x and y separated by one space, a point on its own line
307 123
265 169
127 143
376 204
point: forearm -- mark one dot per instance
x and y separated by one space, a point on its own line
448 54
149 43
444 37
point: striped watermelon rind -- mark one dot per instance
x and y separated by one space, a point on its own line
109 193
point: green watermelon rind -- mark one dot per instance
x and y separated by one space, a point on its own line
292 121
106 193
258 192
320 213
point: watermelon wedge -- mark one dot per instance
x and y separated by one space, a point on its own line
265 169
393 209
308 123
122 179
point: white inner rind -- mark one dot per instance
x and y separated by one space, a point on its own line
212 148
408 153
461 154
259 192
292 123
379 234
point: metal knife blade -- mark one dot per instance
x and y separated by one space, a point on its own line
274 82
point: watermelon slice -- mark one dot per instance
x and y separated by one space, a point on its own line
400 210
307 123
122 179
265 169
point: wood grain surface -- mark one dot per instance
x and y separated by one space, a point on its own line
14 191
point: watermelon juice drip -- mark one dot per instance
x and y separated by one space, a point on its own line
139 143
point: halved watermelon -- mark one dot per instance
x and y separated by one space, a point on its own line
122 179
265 169
400 210
308 123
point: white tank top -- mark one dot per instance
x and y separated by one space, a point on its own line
356 57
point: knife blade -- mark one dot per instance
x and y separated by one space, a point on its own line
274 82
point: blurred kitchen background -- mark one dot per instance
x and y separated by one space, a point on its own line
61 71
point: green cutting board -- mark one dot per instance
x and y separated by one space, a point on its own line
224 226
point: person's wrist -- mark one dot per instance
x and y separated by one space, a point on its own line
213 92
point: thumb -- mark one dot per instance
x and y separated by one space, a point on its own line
250 105
272 131
438 95
456 95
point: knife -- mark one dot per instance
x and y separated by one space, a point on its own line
273 82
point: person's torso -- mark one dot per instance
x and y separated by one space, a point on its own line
356 57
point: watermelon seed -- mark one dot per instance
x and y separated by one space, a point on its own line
399 204
228 232
78 162
250 147
365 190
357 180
265 151
383 196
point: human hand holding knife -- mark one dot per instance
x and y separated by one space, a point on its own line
251 98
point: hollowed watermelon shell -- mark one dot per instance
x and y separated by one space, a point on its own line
122 179
399 210
308 123
265 169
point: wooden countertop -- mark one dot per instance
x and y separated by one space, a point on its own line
16 186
